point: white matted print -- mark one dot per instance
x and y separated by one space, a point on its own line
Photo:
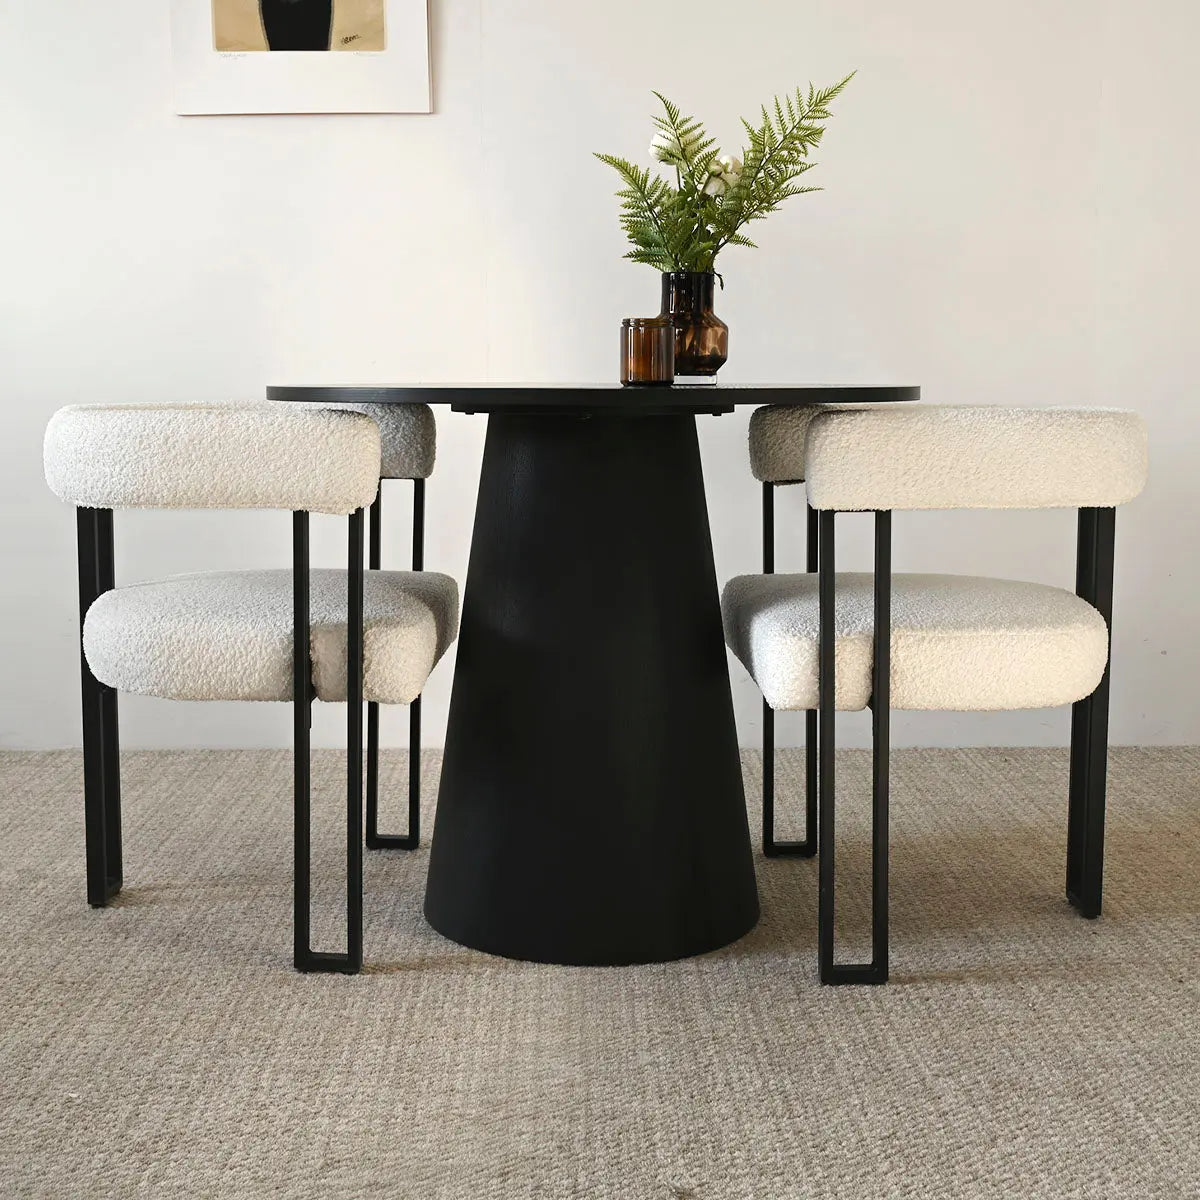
301 56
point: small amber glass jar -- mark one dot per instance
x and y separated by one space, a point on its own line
647 351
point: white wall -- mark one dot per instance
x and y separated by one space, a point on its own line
1009 218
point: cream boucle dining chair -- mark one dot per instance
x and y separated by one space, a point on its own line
843 642
248 635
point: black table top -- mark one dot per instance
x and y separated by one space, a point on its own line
596 397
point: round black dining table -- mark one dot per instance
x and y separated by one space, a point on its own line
591 809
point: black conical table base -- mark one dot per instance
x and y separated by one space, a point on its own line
591 807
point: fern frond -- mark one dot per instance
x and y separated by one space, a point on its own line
674 228
671 109
643 201
689 134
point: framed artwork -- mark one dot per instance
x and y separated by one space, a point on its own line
301 56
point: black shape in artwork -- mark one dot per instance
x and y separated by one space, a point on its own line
297 24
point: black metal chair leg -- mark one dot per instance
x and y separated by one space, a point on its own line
812 549
876 971
301 745
375 555
772 846
414 775
1089 724
101 749
412 839
372 775
114 865
354 746
307 959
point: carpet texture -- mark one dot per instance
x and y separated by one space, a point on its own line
165 1048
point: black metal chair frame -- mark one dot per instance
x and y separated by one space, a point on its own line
101 749
1089 742
772 846
101 743
412 839
305 957
876 971
1089 737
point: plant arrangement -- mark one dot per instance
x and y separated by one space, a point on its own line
685 225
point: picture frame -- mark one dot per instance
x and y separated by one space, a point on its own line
300 56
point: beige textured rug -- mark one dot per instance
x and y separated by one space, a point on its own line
165 1048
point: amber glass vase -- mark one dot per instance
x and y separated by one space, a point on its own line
701 337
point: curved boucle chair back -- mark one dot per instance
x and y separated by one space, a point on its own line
938 457
260 455
407 435
777 434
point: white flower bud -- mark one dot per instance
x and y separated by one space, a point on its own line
664 147
714 186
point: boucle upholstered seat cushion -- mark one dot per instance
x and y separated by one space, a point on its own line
228 635
959 643
935 456
407 436
261 455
